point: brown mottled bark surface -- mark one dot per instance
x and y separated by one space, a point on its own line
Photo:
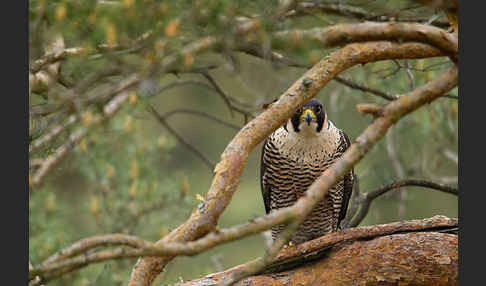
419 258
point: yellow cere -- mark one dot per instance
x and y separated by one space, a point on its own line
306 112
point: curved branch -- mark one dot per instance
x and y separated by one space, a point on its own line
342 34
229 169
97 241
281 59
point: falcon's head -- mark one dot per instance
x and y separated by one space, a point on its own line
309 119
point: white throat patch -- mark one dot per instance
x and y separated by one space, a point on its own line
307 145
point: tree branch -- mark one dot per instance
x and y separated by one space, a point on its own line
77 255
228 170
341 34
305 8
202 114
366 199
293 265
109 110
189 146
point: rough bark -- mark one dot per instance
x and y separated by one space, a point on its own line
418 258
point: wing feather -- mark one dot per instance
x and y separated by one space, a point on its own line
264 188
348 183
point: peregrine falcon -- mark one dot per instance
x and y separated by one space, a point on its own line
293 157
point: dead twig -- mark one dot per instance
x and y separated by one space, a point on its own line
189 146
366 199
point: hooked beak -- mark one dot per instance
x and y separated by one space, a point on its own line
308 115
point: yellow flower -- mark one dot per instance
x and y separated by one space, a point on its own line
87 118
111 35
92 18
133 189
61 12
134 169
94 205
199 197
110 171
132 97
172 28
188 60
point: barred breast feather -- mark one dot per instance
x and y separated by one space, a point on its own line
290 164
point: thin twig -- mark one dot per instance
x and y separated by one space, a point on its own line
202 114
363 88
53 133
369 197
109 110
218 89
189 146
306 8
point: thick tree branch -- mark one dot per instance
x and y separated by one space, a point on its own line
228 170
80 255
282 59
338 35
398 259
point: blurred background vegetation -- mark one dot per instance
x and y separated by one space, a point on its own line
131 175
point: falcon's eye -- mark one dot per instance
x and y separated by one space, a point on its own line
318 109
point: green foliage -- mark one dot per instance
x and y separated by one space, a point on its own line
124 189
130 175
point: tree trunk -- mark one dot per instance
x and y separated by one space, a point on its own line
418 258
